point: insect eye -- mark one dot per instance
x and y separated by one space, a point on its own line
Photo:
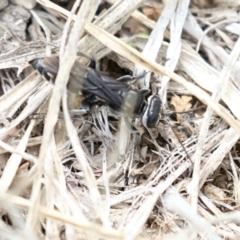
151 114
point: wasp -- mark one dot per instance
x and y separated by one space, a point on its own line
97 86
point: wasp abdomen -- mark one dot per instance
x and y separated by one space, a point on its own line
47 67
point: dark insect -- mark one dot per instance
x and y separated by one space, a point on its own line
96 86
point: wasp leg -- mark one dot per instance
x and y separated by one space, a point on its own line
91 101
72 112
37 116
129 78
78 112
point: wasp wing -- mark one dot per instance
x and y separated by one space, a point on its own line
106 89
85 80
92 82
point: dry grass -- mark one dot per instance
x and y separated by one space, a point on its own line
88 176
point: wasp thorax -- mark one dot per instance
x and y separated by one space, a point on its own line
133 102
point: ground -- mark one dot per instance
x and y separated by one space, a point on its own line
68 172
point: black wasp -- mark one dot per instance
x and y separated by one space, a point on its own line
95 85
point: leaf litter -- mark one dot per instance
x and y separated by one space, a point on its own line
65 175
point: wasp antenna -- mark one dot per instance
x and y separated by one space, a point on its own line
129 78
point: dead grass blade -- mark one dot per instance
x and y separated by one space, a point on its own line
123 49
